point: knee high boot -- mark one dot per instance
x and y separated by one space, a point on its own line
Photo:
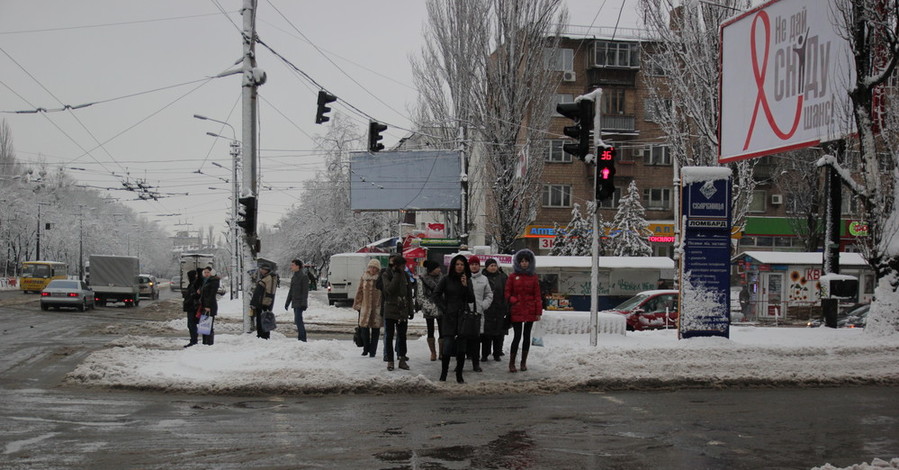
524 360
440 354
460 363
512 355
431 347
444 367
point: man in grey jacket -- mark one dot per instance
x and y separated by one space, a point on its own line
298 296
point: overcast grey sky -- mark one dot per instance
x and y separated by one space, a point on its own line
61 52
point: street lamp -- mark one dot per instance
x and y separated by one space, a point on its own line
235 191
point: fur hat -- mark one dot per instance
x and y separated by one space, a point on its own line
431 265
265 266
489 262
373 263
474 260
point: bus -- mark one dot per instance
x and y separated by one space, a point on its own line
37 274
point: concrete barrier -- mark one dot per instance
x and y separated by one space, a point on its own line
572 323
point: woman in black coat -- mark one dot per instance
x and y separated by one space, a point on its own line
452 296
208 300
496 324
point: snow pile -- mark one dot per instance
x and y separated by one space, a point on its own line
874 465
240 363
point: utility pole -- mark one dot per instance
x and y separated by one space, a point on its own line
596 96
252 78
37 253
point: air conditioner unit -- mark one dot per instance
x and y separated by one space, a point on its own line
637 152
777 199
569 76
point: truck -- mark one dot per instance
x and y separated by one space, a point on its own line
115 279
344 272
191 262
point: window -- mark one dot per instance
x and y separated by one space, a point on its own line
554 152
560 59
657 155
759 201
556 195
616 54
656 108
849 203
613 101
560 98
657 198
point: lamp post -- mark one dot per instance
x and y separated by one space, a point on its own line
235 192
37 250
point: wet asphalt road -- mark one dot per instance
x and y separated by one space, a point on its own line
47 424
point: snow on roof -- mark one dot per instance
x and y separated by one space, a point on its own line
693 174
786 257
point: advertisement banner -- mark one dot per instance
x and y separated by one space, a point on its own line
785 72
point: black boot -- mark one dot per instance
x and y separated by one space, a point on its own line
476 364
460 362
444 368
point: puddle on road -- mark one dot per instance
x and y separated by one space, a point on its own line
511 450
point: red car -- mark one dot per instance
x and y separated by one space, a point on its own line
648 310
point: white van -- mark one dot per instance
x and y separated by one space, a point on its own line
344 272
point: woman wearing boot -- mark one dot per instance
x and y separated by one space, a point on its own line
368 304
495 326
483 295
453 294
208 301
429 310
397 312
525 304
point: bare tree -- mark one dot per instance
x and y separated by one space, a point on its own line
803 191
8 163
483 69
683 53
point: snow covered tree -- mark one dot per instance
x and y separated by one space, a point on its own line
683 89
484 69
630 230
576 239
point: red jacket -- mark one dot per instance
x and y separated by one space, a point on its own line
523 296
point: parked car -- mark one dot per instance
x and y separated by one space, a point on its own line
650 309
856 318
149 287
843 315
67 293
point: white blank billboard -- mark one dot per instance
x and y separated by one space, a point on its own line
785 72
412 180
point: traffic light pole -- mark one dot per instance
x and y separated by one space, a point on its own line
252 78
596 96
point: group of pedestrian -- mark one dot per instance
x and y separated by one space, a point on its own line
200 298
468 311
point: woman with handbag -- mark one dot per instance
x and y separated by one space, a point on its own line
452 296
368 304
525 304
208 301
430 311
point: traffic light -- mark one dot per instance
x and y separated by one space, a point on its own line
323 99
605 172
581 112
374 135
246 215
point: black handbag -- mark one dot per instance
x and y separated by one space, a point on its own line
267 321
470 323
357 336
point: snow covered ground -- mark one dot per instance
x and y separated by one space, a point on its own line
243 364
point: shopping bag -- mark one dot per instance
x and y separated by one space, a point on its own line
205 325
268 321
537 334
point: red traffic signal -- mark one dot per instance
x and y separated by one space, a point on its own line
605 172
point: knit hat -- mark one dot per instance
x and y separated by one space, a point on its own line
265 266
489 262
373 263
474 260
431 265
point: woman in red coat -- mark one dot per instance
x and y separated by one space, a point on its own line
525 304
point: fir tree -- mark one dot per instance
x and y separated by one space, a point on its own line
630 227
576 239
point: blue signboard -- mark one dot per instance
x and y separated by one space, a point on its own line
705 268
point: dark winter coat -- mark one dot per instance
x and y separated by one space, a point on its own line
264 293
452 298
208 293
523 290
298 295
397 296
190 295
495 315
426 288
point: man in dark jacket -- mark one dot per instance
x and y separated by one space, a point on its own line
298 296
190 303
208 300
397 310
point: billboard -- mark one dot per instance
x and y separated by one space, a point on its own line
410 180
785 72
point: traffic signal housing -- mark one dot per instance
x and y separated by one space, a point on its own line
582 113
374 136
323 99
605 172
246 215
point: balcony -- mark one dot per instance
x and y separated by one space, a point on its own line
618 123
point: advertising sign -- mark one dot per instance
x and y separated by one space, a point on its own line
785 72
705 275
411 180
